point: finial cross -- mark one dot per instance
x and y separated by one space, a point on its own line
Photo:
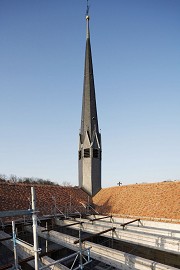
87 9
119 183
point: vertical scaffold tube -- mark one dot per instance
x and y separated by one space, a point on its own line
14 246
35 236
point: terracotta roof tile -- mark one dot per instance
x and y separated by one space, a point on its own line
158 200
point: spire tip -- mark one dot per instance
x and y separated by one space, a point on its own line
87 10
87 20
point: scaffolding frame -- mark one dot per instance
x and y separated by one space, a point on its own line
33 248
82 254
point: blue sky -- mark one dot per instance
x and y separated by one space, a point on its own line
136 58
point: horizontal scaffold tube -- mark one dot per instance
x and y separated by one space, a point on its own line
95 219
94 235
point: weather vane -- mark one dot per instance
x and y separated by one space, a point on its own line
87 9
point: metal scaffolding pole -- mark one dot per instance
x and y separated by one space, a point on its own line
69 257
46 239
93 235
80 249
16 267
35 236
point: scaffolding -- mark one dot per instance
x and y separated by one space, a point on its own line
82 255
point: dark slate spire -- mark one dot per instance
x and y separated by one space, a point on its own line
89 137
89 121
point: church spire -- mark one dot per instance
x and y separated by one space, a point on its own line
90 138
89 120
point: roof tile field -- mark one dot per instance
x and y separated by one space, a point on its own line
155 200
18 196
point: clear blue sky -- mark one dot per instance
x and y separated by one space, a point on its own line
136 57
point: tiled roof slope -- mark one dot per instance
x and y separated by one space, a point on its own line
156 200
17 196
